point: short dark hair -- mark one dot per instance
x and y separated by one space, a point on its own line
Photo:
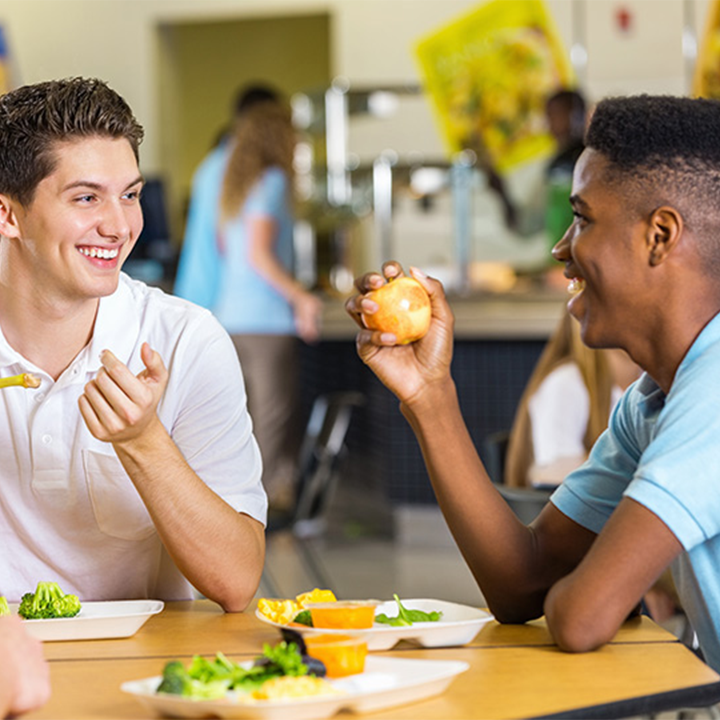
253 94
33 118
665 149
657 132
572 101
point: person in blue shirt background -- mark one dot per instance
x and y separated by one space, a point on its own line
198 273
243 209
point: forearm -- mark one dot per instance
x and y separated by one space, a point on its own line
266 264
587 606
501 552
220 551
6 694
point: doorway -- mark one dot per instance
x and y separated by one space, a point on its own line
201 65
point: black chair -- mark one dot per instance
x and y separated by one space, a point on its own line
526 503
319 461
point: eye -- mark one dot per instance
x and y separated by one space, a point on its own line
84 199
133 195
580 219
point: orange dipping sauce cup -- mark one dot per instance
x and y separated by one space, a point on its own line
341 654
343 614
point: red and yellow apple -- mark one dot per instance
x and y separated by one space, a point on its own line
403 310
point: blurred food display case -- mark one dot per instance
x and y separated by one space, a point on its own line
365 196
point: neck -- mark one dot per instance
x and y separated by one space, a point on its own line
662 357
47 334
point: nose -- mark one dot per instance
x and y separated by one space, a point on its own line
115 222
561 251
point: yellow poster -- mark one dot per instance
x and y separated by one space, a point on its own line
488 74
706 82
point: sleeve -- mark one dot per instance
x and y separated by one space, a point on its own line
590 494
269 196
198 273
678 476
210 421
559 412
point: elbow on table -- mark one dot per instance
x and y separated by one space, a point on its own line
236 592
235 599
575 637
576 630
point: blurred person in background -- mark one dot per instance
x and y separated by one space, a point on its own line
25 676
198 273
259 302
565 406
549 209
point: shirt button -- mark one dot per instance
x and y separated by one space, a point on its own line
47 439
39 397
75 370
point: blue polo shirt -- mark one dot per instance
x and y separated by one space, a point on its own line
663 451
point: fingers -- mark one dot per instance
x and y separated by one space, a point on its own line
357 304
154 366
434 287
25 668
116 400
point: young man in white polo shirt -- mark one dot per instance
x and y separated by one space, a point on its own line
132 470
643 258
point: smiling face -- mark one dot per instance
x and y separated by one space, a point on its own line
606 258
71 241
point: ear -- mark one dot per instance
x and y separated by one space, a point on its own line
9 226
665 228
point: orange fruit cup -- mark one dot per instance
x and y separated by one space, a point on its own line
343 614
341 654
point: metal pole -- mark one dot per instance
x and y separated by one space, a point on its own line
461 176
336 139
578 50
382 202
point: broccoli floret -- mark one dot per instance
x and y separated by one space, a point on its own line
66 606
4 609
206 679
177 680
48 601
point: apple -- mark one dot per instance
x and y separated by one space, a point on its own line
403 310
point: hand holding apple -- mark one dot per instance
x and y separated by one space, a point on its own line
403 310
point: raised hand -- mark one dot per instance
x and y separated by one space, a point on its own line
405 369
118 406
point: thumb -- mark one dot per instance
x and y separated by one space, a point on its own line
154 366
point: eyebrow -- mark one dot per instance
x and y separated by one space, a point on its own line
576 200
97 186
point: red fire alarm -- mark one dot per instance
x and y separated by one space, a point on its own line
623 19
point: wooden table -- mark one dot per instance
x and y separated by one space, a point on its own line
515 670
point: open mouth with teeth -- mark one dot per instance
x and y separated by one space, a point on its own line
101 253
576 285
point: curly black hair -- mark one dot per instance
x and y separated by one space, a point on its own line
652 132
665 150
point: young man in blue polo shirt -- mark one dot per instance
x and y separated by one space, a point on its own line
642 257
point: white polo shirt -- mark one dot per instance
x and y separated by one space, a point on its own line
68 510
